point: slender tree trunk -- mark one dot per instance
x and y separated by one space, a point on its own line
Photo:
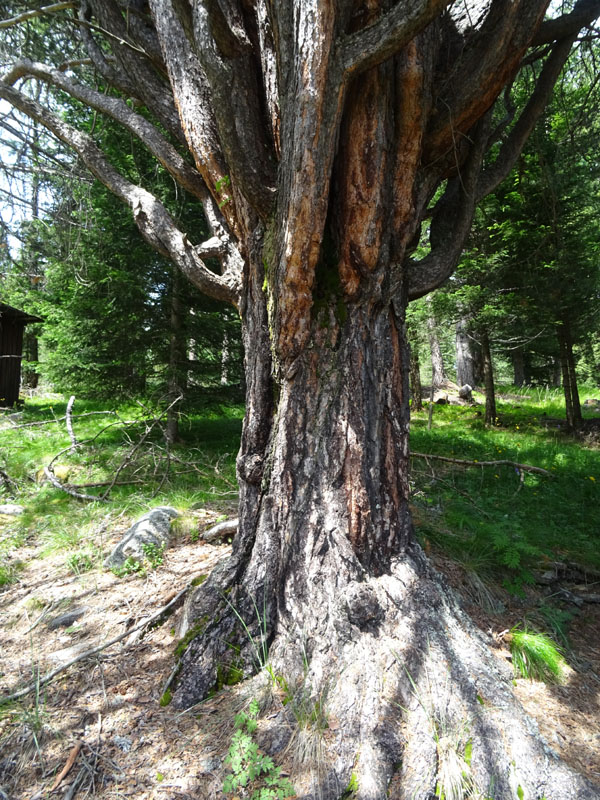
556 373
438 373
465 373
520 371
416 392
488 377
225 359
177 357
569 378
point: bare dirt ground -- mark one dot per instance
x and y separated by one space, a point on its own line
103 717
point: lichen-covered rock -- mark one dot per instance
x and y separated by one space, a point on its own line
11 509
152 529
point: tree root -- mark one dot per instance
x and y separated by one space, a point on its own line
394 686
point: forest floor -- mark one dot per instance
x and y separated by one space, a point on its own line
492 527
106 709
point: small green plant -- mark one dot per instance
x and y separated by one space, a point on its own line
352 787
79 562
154 554
536 656
166 698
252 771
130 566
9 573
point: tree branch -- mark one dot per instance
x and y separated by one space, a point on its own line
584 13
227 57
153 220
118 110
53 673
197 117
451 221
26 15
133 61
493 175
392 31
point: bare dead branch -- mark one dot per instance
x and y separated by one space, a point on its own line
220 530
67 767
69 489
9 483
501 462
117 109
584 13
69 423
152 218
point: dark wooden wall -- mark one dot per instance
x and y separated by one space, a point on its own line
12 325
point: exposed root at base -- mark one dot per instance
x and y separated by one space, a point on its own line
394 693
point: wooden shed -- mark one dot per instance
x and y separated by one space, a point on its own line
12 325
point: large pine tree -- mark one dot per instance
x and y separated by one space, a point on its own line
316 135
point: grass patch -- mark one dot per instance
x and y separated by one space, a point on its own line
536 657
199 471
498 522
502 520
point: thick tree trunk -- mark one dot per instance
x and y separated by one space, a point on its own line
327 586
320 134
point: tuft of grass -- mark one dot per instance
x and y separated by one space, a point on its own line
80 562
536 657
9 573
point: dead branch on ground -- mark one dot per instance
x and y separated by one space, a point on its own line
501 462
9 483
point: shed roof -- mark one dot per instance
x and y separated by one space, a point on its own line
15 314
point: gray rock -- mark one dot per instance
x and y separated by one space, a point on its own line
11 509
67 654
153 528
68 618
123 743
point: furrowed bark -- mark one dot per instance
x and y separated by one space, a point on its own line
190 87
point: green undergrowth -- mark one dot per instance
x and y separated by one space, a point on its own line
197 472
498 520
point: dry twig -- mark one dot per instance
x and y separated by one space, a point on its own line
502 462
67 767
